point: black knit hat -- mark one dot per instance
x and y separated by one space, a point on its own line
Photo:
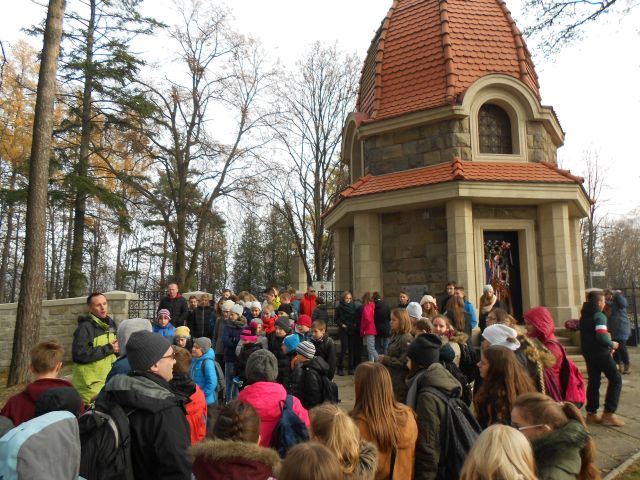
145 349
262 366
284 323
424 350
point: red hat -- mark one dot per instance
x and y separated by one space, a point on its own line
304 320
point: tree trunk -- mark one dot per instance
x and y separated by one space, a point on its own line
67 256
27 330
6 253
77 282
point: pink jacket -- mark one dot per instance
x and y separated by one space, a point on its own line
540 317
367 322
265 397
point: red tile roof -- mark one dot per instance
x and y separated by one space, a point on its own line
426 54
458 170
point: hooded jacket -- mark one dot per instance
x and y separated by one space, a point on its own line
159 430
557 454
92 354
310 389
22 407
619 325
265 397
308 304
382 318
203 372
396 362
367 320
429 410
405 453
326 348
541 318
232 460
196 405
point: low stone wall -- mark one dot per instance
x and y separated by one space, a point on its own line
59 321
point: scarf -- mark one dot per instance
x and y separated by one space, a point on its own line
487 308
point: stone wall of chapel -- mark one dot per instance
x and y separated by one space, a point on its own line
540 146
417 147
414 249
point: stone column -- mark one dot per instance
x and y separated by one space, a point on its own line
298 274
557 266
341 248
460 248
576 262
367 253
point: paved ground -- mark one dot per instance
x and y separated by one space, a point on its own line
615 445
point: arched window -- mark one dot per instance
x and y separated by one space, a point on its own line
494 126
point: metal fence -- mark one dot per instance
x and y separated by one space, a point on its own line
146 305
631 293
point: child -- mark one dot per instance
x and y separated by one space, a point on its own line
282 328
271 298
248 344
303 327
309 387
324 345
46 363
230 339
183 384
423 325
203 371
256 323
218 331
255 309
268 319
182 337
294 299
163 324
286 306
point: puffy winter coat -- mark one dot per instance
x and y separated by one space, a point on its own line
231 337
310 389
320 313
92 354
231 460
167 331
326 348
396 362
367 320
382 318
177 307
265 397
619 325
200 322
284 359
557 453
203 372
196 405
308 304
159 429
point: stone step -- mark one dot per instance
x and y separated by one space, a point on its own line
573 350
564 340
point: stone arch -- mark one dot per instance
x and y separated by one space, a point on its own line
352 148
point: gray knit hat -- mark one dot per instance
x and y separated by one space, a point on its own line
204 343
284 323
262 366
145 349
127 327
306 349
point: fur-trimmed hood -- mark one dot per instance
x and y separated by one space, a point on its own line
234 460
366 469
536 352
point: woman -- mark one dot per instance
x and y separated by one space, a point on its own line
500 453
458 317
382 319
429 307
332 427
504 379
345 317
499 315
396 359
389 425
597 347
235 453
619 327
539 324
562 445
368 326
488 301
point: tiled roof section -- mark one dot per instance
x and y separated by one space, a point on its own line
458 170
428 52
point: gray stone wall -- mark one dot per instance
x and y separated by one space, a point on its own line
539 144
414 249
59 320
417 147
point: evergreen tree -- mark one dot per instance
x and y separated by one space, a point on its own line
248 259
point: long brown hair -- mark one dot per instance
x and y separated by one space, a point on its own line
377 406
541 409
455 308
506 379
404 322
237 421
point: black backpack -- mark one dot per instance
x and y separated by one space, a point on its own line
290 430
458 431
105 443
329 391
467 390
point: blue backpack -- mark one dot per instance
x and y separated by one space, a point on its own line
47 446
290 430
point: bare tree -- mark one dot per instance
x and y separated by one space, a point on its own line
315 100
27 328
619 251
590 226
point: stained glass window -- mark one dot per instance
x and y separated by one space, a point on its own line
494 126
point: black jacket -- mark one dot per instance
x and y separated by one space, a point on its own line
326 349
200 322
320 313
345 314
178 308
382 318
159 430
309 390
284 359
82 349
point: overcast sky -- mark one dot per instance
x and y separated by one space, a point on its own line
593 85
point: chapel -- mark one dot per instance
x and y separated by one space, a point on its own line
453 166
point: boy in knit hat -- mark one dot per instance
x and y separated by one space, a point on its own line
248 344
163 325
325 347
282 328
203 370
307 381
303 327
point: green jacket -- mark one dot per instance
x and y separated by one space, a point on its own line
92 354
558 453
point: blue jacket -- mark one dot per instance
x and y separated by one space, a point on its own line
166 332
203 372
619 326
468 307
231 337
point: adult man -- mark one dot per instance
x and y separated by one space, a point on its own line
159 431
94 348
176 304
403 299
450 291
309 302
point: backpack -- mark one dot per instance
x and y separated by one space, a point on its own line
290 430
458 431
47 446
467 390
572 385
106 442
329 390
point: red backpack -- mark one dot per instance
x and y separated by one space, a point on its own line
572 386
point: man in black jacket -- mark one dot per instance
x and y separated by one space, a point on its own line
159 431
176 304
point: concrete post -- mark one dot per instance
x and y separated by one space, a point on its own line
342 252
460 247
367 253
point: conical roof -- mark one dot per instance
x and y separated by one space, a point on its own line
426 54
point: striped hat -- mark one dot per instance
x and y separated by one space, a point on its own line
165 312
306 349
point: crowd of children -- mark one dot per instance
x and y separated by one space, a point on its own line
431 402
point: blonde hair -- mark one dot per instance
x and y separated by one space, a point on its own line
500 453
404 322
331 426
